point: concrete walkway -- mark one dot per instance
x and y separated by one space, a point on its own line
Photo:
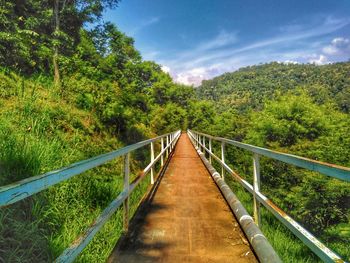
187 219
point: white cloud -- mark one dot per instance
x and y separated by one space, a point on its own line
196 75
337 50
338 46
319 60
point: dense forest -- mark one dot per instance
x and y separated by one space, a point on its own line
69 92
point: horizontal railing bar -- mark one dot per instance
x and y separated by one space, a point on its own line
17 191
306 237
332 170
83 240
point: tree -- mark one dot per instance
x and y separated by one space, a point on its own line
35 34
87 10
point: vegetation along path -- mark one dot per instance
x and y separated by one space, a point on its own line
187 219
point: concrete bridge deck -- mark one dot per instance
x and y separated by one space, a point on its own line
186 220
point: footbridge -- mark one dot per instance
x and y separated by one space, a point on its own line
189 214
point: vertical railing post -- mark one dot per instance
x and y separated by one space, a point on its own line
167 144
152 160
223 160
199 142
169 141
162 149
172 141
210 150
126 189
256 188
204 145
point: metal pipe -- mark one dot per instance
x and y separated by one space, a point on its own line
258 241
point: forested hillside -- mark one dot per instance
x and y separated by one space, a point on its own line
252 85
69 91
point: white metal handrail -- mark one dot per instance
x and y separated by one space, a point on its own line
199 140
17 191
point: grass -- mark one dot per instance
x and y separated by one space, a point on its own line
40 132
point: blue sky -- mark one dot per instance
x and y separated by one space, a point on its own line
196 40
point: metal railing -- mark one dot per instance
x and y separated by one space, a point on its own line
17 191
339 172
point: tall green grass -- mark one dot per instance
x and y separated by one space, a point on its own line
40 132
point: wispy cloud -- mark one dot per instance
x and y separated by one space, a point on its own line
144 24
223 39
220 41
225 51
150 55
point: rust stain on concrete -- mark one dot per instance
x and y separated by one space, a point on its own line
187 220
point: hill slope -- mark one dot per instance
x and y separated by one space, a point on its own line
251 85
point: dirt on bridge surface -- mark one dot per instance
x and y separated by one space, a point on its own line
186 220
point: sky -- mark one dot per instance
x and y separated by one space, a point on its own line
200 39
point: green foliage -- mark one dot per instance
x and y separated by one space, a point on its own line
289 109
169 118
250 86
28 35
201 115
287 120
